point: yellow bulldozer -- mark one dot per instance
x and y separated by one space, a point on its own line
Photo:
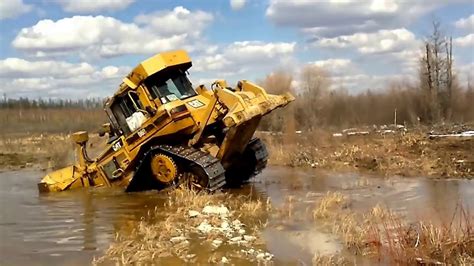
162 132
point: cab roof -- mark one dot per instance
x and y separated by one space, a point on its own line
156 64
151 66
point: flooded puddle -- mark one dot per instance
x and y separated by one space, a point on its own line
416 197
70 228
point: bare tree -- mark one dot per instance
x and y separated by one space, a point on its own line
315 84
315 81
277 83
437 78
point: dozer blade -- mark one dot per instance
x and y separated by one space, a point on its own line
60 180
276 101
246 106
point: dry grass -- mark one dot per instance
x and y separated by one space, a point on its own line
410 154
50 120
40 136
387 236
328 203
171 235
361 182
45 151
329 260
425 242
255 206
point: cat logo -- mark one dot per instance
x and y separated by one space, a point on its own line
196 103
141 132
117 145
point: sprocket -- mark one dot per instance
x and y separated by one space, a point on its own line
163 168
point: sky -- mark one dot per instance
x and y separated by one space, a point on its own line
83 48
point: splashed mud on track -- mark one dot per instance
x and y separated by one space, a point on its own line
73 227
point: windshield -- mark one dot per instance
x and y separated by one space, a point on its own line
173 87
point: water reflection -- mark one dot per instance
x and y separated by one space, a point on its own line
77 225
417 197
436 193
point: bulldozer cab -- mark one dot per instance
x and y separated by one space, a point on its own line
157 81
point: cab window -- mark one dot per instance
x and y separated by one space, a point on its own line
171 86
123 108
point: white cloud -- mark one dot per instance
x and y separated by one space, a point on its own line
245 55
336 66
253 60
334 18
465 73
465 23
404 62
258 50
351 76
20 68
384 6
250 60
177 21
382 41
13 8
358 83
100 36
91 6
237 4
58 78
354 75
345 73
465 41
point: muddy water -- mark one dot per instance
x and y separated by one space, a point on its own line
64 228
71 228
416 197
296 238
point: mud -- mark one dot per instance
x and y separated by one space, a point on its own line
409 154
72 228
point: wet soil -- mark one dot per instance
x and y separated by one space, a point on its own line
408 154
73 227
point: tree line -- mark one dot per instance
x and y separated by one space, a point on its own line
436 97
49 103
30 116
